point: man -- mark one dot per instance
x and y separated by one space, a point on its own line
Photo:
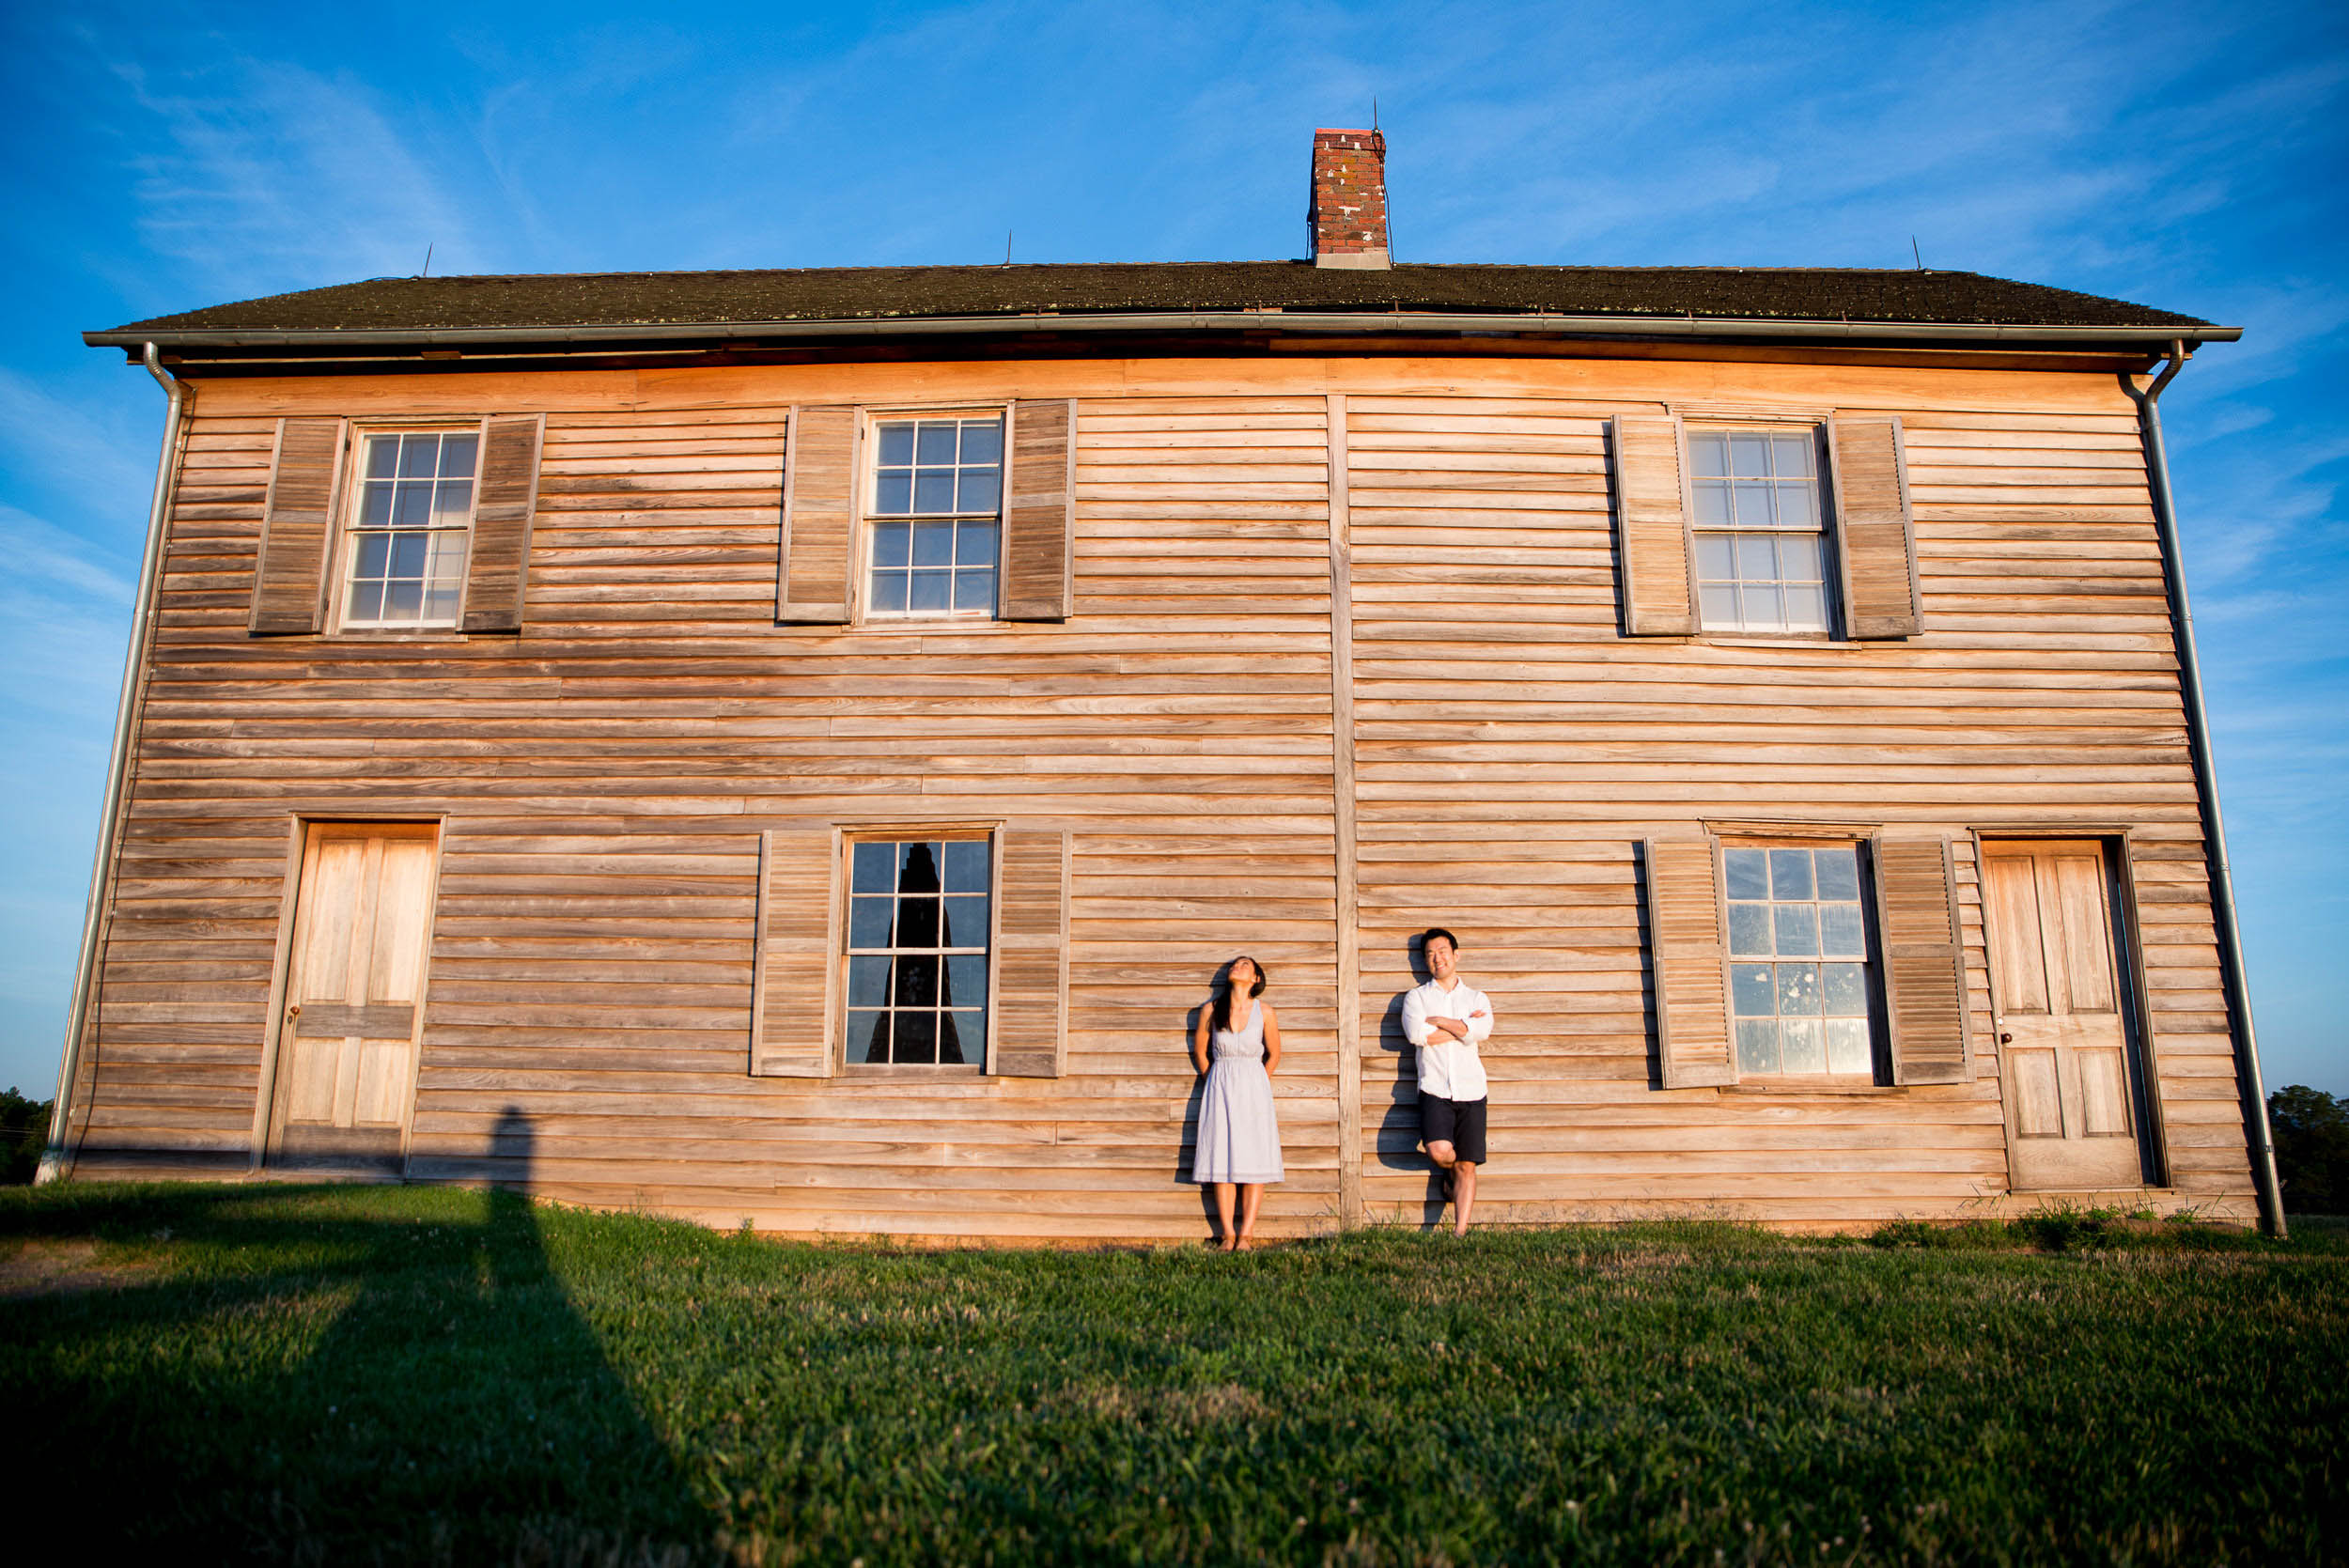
1447 1019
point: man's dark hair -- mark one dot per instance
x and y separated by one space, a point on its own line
1432 933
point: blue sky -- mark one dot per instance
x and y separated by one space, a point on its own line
161 157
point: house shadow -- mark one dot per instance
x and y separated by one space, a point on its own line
1398 1127
420 1390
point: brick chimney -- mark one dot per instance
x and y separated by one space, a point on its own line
1347 211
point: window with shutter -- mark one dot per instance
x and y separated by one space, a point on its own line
1652 528
1032 973
792 953
819 491
1924 967
1042 510
1876 538
289 579
1684 915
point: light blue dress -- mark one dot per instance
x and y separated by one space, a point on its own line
1240 1139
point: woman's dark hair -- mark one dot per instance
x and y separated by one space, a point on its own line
1223 996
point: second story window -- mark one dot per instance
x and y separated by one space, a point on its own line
936 516
411 519
1760 555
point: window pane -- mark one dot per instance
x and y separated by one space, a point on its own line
930 592
896 444
1757 558
1798 990
933 489
966 980
1840 933
1749 456
1761 610
933 544
413 506
439 604
868 1037
1756 994
969 866
375 552
966 923
1757 1046
1844 990
915 981
917 923
1712 501
975 590
382 457
962 1036
1720 604
1752 504
893 494
868 982
1839 871
403 601
1847 1046
892 544
407 554
1792 453
936 444
982 441
1799 558
918 868
1709 454
419 457
889 591
916 1037
1717 558
1803 1045
1750 930
1747 872
375 507
875 868
456 455
452 500
1806 609
1797 507
367 601
980 489
1790 874
974 544
1797 928
869 922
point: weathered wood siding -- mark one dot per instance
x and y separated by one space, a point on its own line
605 778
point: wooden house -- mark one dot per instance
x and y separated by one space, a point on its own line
795 746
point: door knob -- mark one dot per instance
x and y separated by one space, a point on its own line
2004 1038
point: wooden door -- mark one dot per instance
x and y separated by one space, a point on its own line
354 983
2067 1055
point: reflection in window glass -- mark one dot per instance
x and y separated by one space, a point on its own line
944 477
918 922
1798 961
408 538
1759 538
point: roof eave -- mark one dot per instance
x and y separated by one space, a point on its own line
1352 323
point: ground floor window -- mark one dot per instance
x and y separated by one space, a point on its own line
920 923
1799 973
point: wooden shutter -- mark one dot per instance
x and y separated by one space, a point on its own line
1876 543
819 489
795 954
1924 967
1040 510
1652 528
1032 956
1684 912
505 499
289 583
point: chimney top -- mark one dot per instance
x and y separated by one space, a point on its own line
1346 215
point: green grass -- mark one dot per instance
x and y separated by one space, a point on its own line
418 1374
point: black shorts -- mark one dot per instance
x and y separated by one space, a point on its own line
1458 1122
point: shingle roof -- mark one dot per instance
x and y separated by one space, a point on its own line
880 294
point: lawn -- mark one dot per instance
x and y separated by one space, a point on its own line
418 1374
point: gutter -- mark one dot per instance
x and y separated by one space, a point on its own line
1336 322
56 1160
2223 920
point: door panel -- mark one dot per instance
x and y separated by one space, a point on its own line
354 981
2065 1042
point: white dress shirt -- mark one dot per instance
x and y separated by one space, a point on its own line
1448 1068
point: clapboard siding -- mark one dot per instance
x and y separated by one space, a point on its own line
604 778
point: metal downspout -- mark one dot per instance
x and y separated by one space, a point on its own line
2206 783
55 1159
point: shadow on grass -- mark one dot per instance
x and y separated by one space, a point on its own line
305 1381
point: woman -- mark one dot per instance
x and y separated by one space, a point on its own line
1237 1045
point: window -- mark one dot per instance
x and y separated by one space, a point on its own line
919 922
1761 556
1797 961
936 515
410 524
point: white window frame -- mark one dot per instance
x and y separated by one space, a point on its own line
1871 961
1814 434
870 520
351 531
846 951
